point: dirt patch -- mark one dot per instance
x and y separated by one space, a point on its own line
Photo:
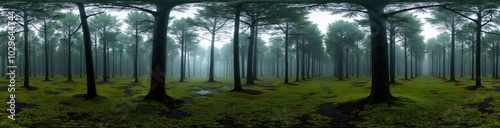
174 114
358 84
127 91
471 88
32 88
435 92
327 90
52 93
481 106
20 106
4 88
173 111
341 118
64 103
497 89
252 92
229 122
188 101
65 89
270 88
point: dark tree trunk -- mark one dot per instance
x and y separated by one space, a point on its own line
444 62
286 52
255 53
277 62
380 92
26 50
157 89
70 74
472 61
496 58
91 88
347 63
136 52
297 60
452 54
392 39
462 62
250 54
303 62
211 74
406 59
236 75
478 51
183 56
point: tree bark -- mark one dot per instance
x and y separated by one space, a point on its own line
157 89
26 50
452 56
380 92
91 88
236 59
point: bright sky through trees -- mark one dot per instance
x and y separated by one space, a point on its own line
322 18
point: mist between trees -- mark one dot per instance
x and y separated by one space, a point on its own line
384 41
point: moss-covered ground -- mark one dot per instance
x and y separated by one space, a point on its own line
424 101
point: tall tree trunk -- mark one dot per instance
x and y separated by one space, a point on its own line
46 48
183 55
452 56
236 70
250 54
444 62
462 62
380 92
297 60
26 50
70 74
277 63
303 62
392 39
406 59
255 53
157 89
211 74
91 88
478 50
347 63
286 52
496 58
472 61
136 52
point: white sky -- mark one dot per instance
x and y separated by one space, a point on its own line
321 18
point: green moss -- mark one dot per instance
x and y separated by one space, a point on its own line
423 102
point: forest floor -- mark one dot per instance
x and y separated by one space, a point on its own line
423 102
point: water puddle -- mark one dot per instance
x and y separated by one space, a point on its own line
204 92
226 87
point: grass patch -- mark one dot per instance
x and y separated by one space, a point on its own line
423 102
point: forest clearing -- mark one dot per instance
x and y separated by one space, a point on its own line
250 63
317 102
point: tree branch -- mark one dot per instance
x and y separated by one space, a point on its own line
93 14
408 9
456 12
